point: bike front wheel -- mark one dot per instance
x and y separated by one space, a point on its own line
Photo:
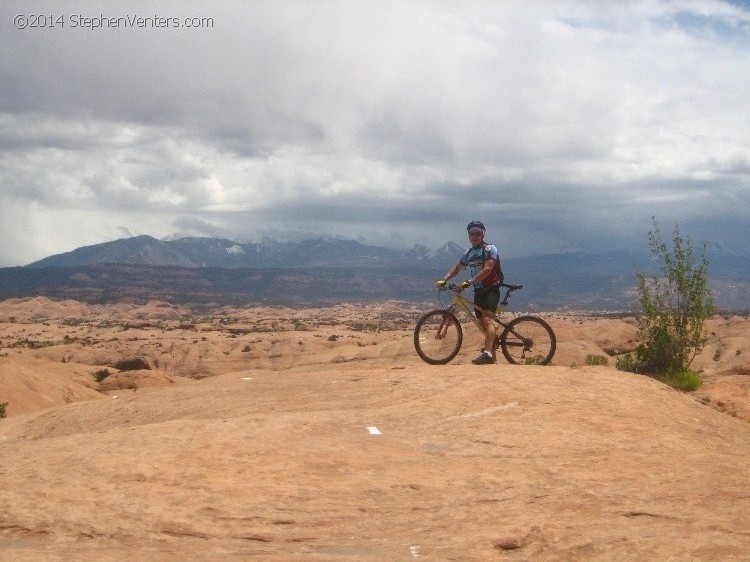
438 337
528 340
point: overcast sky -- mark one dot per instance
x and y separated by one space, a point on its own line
561 124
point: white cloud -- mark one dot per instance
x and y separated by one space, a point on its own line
394 121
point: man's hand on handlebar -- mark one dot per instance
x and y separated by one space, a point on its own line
442 285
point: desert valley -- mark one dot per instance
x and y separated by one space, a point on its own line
156 432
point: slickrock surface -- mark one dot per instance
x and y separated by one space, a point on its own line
278 434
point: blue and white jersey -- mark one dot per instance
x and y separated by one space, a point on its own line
474 259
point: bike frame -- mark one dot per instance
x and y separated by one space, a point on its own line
459 301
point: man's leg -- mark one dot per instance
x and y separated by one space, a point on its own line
488 351
489 335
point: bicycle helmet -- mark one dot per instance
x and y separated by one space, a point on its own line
475 224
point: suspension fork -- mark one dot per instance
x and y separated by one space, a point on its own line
450 311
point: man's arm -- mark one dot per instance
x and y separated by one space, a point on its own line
453 271
489 266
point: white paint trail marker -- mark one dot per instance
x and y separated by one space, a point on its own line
487 411
374 430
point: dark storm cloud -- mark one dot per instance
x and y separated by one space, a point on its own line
562 124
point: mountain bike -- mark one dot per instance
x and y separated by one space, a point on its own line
525 340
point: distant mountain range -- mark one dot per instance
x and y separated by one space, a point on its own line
220 271
218 252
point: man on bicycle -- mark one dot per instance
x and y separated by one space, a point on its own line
483 261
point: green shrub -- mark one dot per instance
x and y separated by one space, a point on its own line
682 380
534 360
674 306
627 363
592 359
101 375
686 380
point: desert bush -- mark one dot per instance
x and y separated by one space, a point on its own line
364 326
3 413
101 375
674 306
534 360
26 342
592 359
684 380
627 363
134 364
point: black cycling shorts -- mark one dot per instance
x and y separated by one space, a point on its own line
487 298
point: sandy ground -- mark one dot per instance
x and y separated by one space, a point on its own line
280 434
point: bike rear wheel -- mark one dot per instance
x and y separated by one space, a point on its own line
528 340
438 337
